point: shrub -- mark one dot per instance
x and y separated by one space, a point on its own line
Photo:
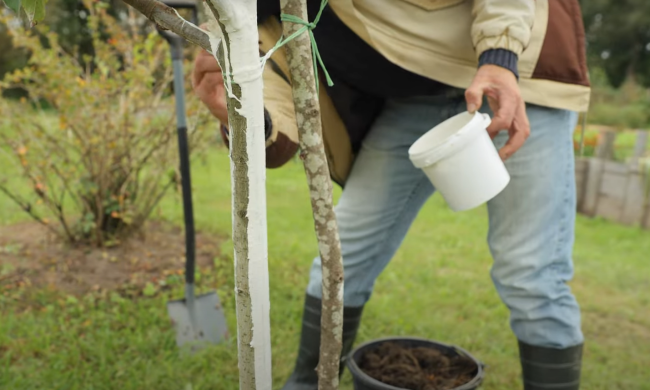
95 142
631 116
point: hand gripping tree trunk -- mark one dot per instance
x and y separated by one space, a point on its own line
305 98
233 35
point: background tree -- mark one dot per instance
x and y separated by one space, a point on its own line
618 37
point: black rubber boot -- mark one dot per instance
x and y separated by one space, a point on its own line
550 368
304 376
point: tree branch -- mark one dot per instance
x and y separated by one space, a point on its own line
28 209
168 18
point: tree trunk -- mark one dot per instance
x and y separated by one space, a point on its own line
305 98
236 21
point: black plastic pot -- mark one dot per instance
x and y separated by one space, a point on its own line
365 382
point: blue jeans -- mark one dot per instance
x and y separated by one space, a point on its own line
531 222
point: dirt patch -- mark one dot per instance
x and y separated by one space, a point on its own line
416 368
29 255
615 329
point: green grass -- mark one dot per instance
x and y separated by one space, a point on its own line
436 287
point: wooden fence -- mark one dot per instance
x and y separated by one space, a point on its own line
614 190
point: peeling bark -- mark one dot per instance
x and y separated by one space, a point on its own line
305 98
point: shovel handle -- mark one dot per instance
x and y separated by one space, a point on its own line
188 214
184 154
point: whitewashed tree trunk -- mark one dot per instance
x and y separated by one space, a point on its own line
234 28
237 22
305 99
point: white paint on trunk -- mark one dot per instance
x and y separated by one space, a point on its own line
239 18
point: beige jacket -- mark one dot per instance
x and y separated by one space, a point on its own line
442 40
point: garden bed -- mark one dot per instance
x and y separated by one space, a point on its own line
31 256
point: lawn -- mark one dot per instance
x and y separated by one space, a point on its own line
436 287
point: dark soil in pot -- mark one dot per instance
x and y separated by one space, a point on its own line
416 364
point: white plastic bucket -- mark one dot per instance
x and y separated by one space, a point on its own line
461 161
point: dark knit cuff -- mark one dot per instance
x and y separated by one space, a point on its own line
500 57
268 126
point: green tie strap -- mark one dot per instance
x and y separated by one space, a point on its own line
306 27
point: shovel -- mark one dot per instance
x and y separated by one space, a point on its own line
198 320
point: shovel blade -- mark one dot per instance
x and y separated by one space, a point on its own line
206 326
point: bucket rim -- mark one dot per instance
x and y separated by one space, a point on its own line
358 374
441 151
